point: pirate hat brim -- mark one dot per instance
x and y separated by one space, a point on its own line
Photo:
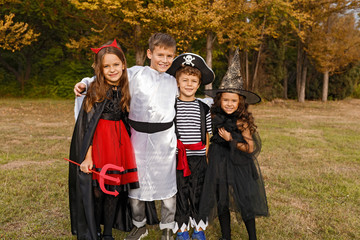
193 60
250 97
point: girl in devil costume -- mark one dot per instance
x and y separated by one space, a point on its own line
233 180
101 137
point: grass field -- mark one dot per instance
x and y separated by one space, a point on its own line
310 163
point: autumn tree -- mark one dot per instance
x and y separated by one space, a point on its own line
319 13
334 44
190 21
237 28
15 35
130 21
250 24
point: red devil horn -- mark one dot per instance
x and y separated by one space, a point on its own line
113 44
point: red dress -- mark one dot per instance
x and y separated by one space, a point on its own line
111 144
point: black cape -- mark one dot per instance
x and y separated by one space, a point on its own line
81 198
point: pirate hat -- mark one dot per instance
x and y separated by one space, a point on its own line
193 60
233 83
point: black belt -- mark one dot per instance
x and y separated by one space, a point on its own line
111 116
147 127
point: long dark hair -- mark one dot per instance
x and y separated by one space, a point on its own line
97 91
244 117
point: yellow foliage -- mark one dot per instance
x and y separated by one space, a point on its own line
335 43
15 35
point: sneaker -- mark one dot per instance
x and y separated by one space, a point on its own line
183 236
166 234
200 235
99 235
137 233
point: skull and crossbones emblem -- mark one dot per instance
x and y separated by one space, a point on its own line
188 60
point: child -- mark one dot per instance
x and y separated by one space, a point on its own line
193 124
233 179
153 93
101 137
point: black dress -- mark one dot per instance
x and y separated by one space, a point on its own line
233 179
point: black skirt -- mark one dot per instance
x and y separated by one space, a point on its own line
233 181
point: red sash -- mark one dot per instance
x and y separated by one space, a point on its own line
182 158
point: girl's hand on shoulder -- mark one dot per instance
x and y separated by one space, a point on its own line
225 134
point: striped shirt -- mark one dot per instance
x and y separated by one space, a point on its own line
188 124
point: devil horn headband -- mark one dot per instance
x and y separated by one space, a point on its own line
113 44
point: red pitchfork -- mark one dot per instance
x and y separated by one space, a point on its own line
102 175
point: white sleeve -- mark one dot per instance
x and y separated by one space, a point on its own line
79 100
78 104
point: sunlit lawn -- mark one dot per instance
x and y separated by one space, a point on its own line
310 162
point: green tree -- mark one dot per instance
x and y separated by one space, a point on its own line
55 21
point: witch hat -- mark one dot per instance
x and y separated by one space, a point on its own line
233 82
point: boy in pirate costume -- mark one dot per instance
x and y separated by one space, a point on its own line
193 125
153 93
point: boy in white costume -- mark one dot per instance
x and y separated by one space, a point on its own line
153 94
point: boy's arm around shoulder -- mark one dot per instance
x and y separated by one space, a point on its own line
83 85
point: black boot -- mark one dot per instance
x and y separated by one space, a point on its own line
108 238
251 229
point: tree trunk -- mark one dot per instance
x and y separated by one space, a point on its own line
231 56
22 75
299 66
283 67
285 83
139 51
246 69
209 48
254 80
140 56
303 82
325 86
254 84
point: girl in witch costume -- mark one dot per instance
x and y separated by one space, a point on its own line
101 136
233 180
